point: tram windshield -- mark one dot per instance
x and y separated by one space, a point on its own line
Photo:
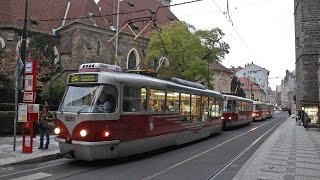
90 98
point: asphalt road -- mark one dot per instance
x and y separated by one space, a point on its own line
220 156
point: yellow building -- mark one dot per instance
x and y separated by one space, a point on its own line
221 77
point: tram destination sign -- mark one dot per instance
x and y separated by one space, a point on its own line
79 78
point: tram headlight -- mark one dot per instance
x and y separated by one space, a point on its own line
57 130
222 118
106 134
83 133
230 118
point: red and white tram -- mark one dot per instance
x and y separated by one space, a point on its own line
260 110
270 112
236 111
146 113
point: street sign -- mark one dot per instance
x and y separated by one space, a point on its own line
22 112
28 84
28 97
29 67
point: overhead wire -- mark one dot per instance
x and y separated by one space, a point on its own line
229 19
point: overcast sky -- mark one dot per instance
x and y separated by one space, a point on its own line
265 31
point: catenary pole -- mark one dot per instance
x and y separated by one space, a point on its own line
20 71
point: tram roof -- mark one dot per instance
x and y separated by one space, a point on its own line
237 97
143 80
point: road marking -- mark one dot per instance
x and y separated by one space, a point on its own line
204 152
33 176
241 153
28 170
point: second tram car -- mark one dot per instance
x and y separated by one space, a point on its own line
260 110
143 113
270 112
236 111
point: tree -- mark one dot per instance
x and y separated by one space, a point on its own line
41 49
236 87
215 48
53 92
184 50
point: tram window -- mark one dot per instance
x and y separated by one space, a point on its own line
156 100
218 107
242 105
107 101
185 107
237 105
79 98
172 102
196 107
214 107
134 99
205 108
229 105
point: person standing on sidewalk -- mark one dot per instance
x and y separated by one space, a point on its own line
289 112
47 118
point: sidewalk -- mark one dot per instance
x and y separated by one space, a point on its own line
8 156
291 152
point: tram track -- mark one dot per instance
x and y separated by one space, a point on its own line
88 170
216 173
242 152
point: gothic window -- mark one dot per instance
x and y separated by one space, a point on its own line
98 48
132 59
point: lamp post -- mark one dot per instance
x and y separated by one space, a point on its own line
19 72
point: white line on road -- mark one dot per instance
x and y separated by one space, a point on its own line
6 175
33 176
204 152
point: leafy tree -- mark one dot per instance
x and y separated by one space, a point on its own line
236 87
53 92
183 50
41 49
215 48
186 51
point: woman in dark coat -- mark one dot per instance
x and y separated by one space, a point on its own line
47 119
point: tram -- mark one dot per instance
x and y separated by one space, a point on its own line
144 113
270 112
260 110
236 111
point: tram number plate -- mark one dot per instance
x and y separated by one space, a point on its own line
69 141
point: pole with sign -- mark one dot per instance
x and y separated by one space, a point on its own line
28 111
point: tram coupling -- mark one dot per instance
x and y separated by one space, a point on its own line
69 154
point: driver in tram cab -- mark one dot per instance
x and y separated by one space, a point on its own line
104 105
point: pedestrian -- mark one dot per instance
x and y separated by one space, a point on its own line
299 115
308 120
47 119
289 111
302 116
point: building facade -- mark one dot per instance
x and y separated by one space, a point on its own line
84 30
288 90
307 42
221 78
256 74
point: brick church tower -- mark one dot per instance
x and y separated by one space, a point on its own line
307 43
